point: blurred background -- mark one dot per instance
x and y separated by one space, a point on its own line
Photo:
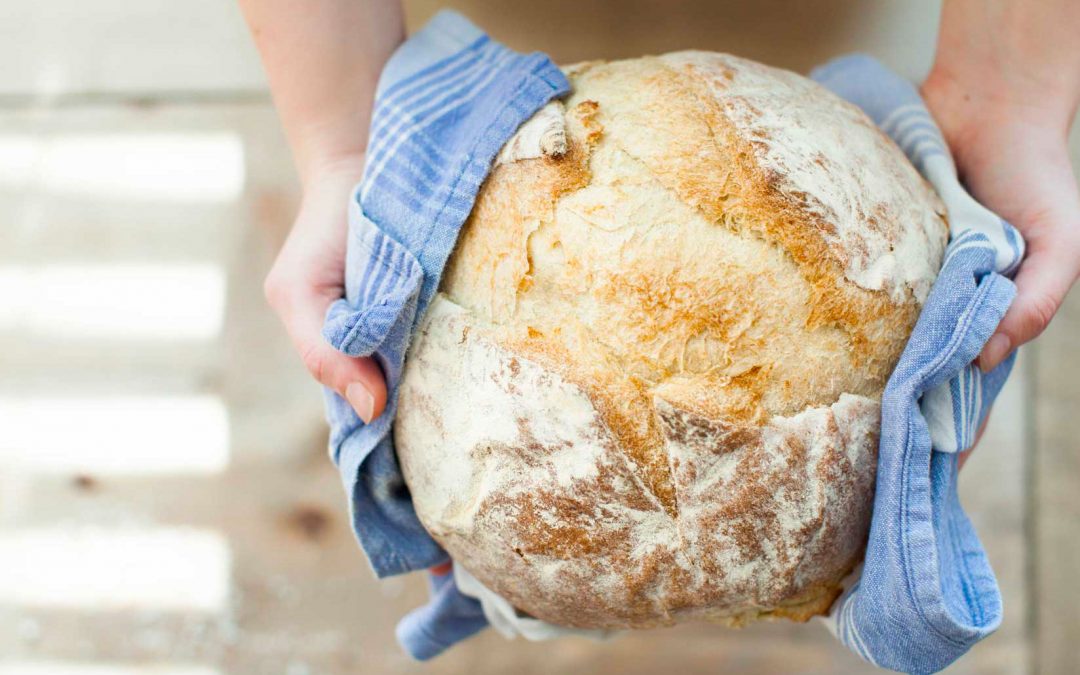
166 501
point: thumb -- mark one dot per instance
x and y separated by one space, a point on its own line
358 380
1041 285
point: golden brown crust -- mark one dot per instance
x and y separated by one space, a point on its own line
545 510
726 311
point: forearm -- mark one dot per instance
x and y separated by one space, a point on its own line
323 60
1018 55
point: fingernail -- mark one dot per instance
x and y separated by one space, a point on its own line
994 352
361 400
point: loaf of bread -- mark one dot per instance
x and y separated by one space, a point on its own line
648 390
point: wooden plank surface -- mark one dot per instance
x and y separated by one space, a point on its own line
302 599
1056 486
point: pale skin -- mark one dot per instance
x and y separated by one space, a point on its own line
1004 88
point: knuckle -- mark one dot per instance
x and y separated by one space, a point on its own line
282 289
274 288
1040 310
316 362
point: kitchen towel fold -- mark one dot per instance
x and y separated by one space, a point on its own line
926 593
448 100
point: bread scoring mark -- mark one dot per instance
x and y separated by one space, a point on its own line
482 268
677 399
785 117
868 320
766 528
770 493
491 264
622 404
751 189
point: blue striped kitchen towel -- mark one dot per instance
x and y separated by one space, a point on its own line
447 101
926 593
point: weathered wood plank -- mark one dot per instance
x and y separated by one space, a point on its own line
1057 493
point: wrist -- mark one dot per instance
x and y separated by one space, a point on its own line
331 169
971 115
1008 60
329 181
330 144
972 98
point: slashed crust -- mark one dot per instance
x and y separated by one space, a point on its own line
695 307
523 482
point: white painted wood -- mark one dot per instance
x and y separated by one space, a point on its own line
51 47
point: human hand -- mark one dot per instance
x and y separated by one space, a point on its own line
1004 89
309 275
1015 161
323 61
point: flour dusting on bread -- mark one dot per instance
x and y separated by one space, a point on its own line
648 389
855 187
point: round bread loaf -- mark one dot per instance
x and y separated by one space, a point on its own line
648 390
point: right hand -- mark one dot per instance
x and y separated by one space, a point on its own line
309 275
1013 157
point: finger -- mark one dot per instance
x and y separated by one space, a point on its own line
358 380
1041 285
